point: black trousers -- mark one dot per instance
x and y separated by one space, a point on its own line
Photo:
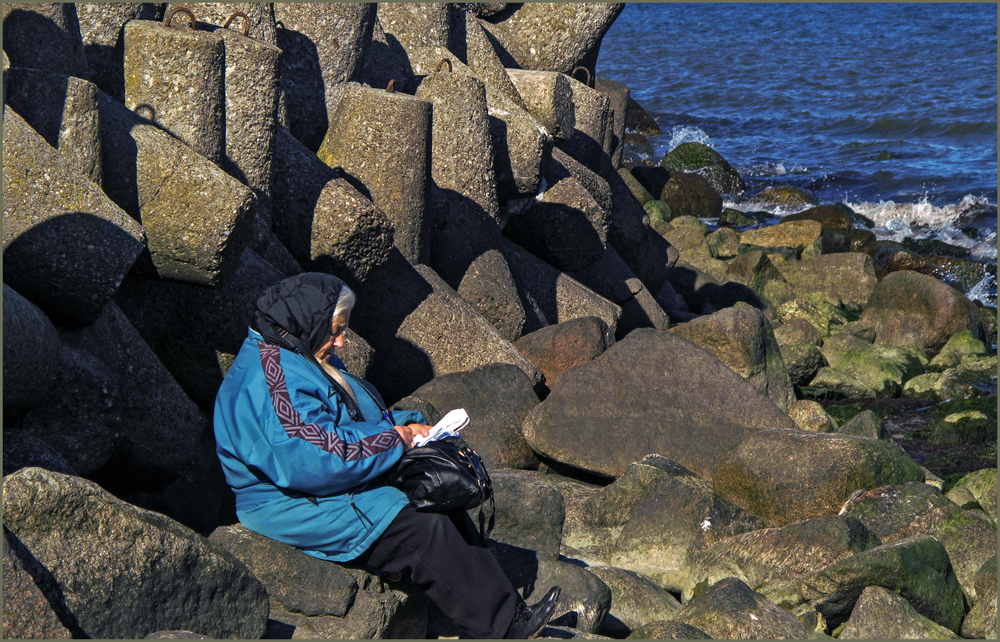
445 556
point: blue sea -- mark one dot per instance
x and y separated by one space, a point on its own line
890 108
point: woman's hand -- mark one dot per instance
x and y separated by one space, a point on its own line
410 432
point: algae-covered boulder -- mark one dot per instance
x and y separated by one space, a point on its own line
791 475
847 276
981 621
635 600
913 309
665 512
649 393
802 236
786 195
692 195
899 511
124 572
802 361
837 221
770 554
958 345
881 368
983 484
883 615
724 243
917 568
668 630
828 378
730 609
741 337
702 159
809 415
865 424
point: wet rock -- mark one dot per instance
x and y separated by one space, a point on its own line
176 78
497 397
692 195
322 46
881 614
30 348
916 568
912 309
802 361
837 221
48 207
734 218
958 345
741 337
63 110
787 475
730 609
983 485
881 368
197 218
724 243
665 513
44 36
847 276
809 415
555 37
381 139
771 554
702 159
786 195
635 600
27 612
559 347
126 572
612 432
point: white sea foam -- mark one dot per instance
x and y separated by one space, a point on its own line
681 134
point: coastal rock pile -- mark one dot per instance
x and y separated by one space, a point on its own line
645 389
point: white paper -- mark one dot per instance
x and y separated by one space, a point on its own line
449 426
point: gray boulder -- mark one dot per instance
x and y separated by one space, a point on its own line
63 110
797 330
865 424
27 613
741 337
612 431
497 397
809 415
44 36
791 475
896 512
847 276
47 208
832 378
529 514
123 572
23 450
917 568
770 554
322 46
664 513
584 600
30 350
668 630
730 609
635 600
912 309
802 360
883 615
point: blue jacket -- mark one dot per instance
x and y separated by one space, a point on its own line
303 471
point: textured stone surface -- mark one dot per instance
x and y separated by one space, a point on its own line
529 513
124 572
882 615
176 77
27 613
44 36
30 346
549 99
101 26
648 394
847 276
557 348
635 600
732 610
47 208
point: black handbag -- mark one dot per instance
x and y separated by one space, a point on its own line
442 476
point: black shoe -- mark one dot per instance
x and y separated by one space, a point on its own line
529 620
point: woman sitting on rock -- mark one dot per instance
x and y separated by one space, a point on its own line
303 445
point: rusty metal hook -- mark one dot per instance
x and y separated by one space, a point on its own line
587 71
444 61
246 22
391 87
170 16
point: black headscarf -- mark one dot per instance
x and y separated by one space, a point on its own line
295 314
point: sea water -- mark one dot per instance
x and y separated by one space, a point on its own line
889 108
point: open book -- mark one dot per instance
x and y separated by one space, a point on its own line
449 426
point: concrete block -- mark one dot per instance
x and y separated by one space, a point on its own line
549 99
101 26
30 349
619 95
44 36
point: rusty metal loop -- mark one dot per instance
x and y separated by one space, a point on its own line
587 71
246 22
170 16
391 87
444 61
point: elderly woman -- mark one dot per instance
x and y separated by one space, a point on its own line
303 445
